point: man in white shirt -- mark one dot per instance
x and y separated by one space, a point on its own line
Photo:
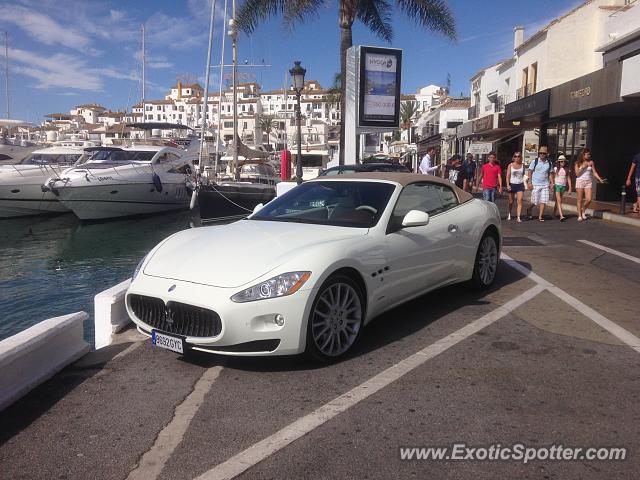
426 165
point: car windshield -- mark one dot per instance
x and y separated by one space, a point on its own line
339 203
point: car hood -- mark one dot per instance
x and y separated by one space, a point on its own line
233 255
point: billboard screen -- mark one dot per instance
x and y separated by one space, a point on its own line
380 75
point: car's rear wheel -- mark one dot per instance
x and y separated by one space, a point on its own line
335 320
486 264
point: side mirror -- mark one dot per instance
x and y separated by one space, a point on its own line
415 218
258 207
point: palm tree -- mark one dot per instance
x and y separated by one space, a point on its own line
333 97
408 113
267 125
375 14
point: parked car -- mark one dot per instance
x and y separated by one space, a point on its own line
365 167
308 271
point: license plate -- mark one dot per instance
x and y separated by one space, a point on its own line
162 340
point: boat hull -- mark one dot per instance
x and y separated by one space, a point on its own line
226 201
29 200
98 202
21 192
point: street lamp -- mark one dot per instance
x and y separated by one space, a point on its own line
297 77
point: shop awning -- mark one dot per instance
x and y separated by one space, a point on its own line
500 135
532 107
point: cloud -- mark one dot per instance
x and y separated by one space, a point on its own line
153 61
62 70
45 29
175 33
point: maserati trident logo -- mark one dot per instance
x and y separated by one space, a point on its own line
171 288
168 315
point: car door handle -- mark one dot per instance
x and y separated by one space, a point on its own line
453 228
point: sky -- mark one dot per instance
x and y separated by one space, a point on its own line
64 53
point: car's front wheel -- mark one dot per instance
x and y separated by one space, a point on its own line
486 264
335 320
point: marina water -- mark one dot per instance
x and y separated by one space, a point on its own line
53 266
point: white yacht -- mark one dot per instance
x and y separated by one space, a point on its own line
21 192
123 181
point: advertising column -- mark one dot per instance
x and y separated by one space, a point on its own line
373 94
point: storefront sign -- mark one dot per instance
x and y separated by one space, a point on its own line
593 90
520 124
583 92
480 148
530 145
536 105
482 124
379 96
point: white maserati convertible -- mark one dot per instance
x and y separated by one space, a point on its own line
309 270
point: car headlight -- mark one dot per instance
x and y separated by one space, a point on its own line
138 267
279 286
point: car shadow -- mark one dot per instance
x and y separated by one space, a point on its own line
416 315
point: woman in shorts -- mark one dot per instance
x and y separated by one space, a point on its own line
585 171
562 184
515 185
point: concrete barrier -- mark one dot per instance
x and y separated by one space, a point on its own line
34 355
110 314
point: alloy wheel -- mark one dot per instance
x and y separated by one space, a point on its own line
336 319
487 260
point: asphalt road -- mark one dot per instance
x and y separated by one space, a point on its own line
521 364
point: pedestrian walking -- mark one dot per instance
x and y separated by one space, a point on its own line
470 167
491 178
562 184
635 166
456 173
541 180
427 166
515 185
585 170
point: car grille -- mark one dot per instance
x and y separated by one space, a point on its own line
175 317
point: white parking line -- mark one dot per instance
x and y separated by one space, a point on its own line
611 251
256 453
613 328
152 462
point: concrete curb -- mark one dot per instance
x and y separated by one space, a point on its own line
611 217
110 313
34 355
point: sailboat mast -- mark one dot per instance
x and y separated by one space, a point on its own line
6 71
234 38
224 37
206 87
144 113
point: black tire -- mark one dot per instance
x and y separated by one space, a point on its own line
485 266
332 331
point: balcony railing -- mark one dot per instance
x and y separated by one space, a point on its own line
502 101
473 112
525 91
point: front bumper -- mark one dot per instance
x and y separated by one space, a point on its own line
246 328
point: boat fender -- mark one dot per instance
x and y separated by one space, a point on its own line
194 196
157 182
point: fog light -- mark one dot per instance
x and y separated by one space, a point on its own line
279 320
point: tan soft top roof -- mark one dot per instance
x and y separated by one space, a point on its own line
403 179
